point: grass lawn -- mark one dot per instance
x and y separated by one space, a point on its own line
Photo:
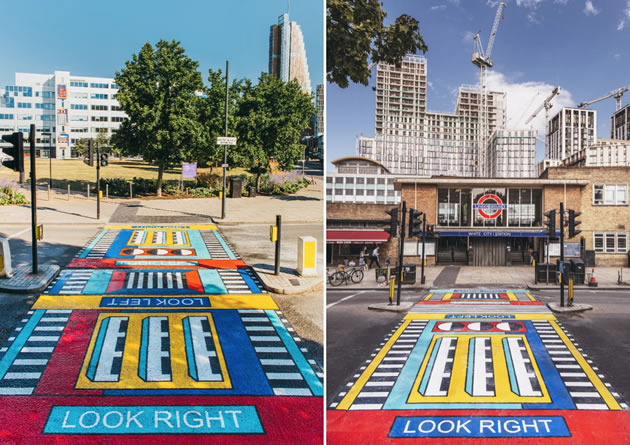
78 174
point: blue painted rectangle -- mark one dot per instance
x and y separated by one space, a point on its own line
162 302
499 233
480 426
220 419
484 316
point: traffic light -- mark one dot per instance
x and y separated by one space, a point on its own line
430 231
89 156
393 222
16 152
415 223
573 223
104 160
550 222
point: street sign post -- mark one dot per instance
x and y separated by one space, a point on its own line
225 140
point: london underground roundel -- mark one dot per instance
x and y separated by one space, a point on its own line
489 206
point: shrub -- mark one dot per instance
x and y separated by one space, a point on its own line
209 180
8 195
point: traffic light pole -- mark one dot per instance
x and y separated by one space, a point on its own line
33 198
424 237
564 268
98 182
400 251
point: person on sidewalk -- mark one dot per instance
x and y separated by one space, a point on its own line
363 258
374 258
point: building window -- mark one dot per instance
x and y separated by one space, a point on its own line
610 242
328 179
117 119
78 107
99 85
99 119
98 96
329 191
77 83
610 194
339 180
99 107
6 116
116 108
24 105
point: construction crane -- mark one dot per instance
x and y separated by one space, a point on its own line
481 58
616 94
546 105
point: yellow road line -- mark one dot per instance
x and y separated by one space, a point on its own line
595 380
362 380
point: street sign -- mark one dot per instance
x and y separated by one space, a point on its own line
225 140
225 165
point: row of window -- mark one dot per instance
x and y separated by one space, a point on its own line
99 96
6 116
353 180
82 84
610 194
610 242
360 192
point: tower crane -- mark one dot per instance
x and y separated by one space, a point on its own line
481 58
617 94
546 105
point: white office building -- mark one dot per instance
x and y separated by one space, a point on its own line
570 131
409 140
64 108
511 154
361 181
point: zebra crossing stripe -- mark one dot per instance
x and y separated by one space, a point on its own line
26 358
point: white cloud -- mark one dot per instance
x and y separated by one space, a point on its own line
531 4
617 56
589 8
523 98
562 2
625 18
533 18
438 7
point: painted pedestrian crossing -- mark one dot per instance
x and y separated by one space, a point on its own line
29 349
472 359
153 317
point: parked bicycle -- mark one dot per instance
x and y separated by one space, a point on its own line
343 276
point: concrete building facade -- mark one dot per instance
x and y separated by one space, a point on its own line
287 53
569 131
511 154
409 140
64 108
604 153
362 181
620 124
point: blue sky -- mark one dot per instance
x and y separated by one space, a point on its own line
96 38
581 46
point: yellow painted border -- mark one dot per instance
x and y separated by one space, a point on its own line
220 301
595 380
457 389
129 378
531 297
442 316
164 227
428 297
367 373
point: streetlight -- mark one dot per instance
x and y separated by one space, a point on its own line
49 134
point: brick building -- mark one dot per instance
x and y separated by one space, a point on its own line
496 222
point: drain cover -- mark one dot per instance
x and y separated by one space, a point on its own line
294 281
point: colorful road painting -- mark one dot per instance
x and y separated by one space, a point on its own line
145 351
489 374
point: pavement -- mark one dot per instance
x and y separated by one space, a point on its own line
513 276
24 281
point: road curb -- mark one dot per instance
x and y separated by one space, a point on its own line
386 307
576 308
22 283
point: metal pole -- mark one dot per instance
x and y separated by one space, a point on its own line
279 225
98 182
400 252
107 191
227 70
50 157
33 198
424 230
562 254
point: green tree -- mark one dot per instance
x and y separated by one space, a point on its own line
157 92
212 114
356 36
271 118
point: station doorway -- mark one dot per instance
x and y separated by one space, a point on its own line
485 251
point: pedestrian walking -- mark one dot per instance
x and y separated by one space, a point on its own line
374 258
363 258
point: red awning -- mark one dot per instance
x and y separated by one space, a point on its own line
356 236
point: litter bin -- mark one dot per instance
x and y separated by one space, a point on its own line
236 183
578 270
408 274
381 275
546 273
